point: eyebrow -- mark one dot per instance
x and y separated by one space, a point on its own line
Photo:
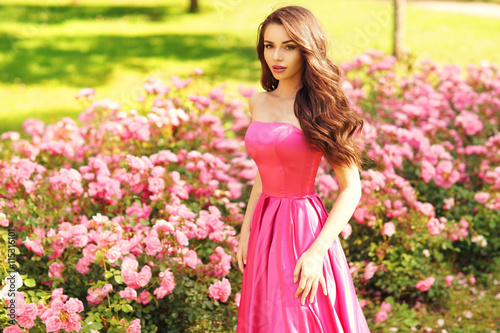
287 41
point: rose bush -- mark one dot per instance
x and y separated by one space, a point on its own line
128 220
133 213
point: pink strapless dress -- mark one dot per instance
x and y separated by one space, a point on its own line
287 218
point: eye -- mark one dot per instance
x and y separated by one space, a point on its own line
291 47
266 46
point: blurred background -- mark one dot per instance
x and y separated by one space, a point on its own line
50 49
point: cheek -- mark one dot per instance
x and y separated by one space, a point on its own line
297 60
266 56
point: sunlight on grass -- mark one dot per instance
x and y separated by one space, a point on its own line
51 50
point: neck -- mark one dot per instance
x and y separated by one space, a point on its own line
287 89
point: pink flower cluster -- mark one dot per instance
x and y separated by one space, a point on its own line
60 313
424 285
370 270
131 276
435 226
167 284
168 178
220 290
96 295
383 313
459 232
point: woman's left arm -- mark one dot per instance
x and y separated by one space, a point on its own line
342 210
309 268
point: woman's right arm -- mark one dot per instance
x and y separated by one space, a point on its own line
252 201
241 255
257 184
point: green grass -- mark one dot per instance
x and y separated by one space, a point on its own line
484 309
50 51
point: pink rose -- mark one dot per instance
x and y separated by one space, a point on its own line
113 254
448 203
434 226
482 197
385 306
428 171
191 259
55 270
197 70
80 240
128 293
153 245
155 185
181 238
144 276
143 297
13 329
135 326
25 321
73 305
107 288
30 311
426 209
370 270
389 229
220 290
129 264
448 280
53 324
346 232
3 220
424 285
381 316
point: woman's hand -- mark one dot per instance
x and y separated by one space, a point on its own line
310 265
241 254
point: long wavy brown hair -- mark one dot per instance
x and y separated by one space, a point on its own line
323 110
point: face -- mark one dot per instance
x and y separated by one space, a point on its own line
280 50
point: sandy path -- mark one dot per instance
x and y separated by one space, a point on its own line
469 8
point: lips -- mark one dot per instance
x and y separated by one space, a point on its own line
278 67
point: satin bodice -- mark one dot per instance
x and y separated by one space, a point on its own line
287 164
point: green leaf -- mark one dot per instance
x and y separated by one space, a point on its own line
30 283
96 325
114 321
119 279
144 222
99 256
127 308
108 275
89 318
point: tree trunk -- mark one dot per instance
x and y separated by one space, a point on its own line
399 27
193 6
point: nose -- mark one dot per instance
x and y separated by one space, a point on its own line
277 54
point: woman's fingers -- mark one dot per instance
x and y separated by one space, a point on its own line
306 290
310 284
313 290
323 283
302 284
241 261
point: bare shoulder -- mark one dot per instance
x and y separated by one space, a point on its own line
255 102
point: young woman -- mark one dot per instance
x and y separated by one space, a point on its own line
295 275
